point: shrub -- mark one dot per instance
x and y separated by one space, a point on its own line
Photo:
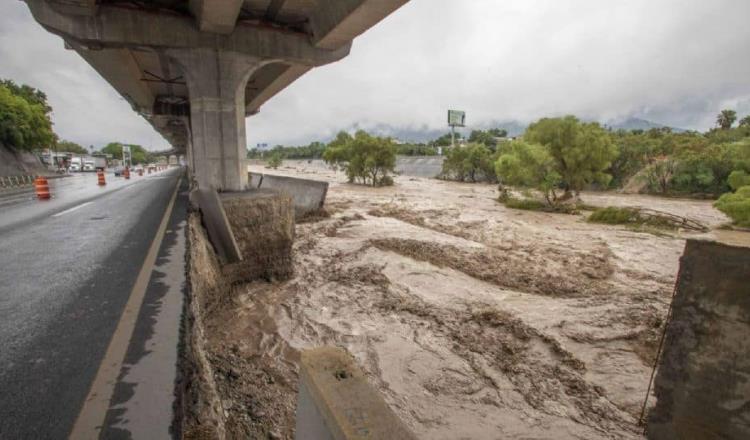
364 157
615 216
736 205
738 179
473 162
528 166
275 160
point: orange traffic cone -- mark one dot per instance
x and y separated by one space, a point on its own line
42 188
126 173
100 176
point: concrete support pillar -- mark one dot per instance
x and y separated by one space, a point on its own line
216 83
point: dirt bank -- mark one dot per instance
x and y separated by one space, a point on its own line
473 320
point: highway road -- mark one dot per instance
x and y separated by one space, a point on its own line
68 268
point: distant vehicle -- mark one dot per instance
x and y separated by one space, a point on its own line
119 170
74 168
76 164
88 165
100 163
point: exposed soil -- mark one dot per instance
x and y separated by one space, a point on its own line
473 320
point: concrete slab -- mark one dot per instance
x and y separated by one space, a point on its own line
217 225
262 222
336 401
308 196
702 384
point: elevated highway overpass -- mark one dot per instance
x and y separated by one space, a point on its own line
196 68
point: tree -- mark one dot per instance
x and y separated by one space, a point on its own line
745 122
473 162
138 154
24 122
275 160
70 147
726 118
736 205
364 157
581 151
531 166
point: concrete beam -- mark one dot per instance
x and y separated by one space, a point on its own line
116 27
218 16
75 7
119 69
268 87
337 22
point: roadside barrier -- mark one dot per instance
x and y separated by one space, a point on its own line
126 173
15 181
140 171
42 188
100 177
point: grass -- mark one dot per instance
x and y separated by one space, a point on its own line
633 217
532 204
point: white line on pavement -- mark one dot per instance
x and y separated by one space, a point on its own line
67 211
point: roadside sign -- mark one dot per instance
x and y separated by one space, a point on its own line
456 118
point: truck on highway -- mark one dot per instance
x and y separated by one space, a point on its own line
88 164
100 162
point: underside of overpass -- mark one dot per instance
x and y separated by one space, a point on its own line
196 68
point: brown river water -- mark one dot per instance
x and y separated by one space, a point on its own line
473 320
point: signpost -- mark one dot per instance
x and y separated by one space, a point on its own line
456 118
126 153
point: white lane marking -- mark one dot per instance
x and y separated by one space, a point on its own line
90 419
67 211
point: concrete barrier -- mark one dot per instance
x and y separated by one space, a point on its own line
308 196
336 402
703 382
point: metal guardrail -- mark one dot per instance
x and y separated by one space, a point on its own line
16 181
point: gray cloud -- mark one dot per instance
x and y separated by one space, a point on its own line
671 61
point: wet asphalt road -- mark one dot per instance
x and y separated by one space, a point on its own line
67 267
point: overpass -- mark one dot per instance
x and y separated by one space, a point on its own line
196 68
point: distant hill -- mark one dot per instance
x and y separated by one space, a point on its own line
424 133
637 124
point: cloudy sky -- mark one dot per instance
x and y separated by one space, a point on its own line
676 62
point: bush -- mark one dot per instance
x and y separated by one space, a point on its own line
736 205
474 162
528 166
364 157
615 216
275 160
737 179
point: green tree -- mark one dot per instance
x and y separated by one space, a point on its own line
138 153
582 151
473 162
738 179
745 122
736 205
726 118
531 166
70 147
364 157
24 122
275 160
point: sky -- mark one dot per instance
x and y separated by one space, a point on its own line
675 62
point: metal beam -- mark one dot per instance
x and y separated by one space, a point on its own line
218 16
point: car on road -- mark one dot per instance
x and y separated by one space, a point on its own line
88 166
74 168
119 170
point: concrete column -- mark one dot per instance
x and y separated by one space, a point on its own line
216 83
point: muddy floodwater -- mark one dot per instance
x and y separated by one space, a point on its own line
473 320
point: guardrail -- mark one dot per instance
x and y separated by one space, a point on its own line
16 181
